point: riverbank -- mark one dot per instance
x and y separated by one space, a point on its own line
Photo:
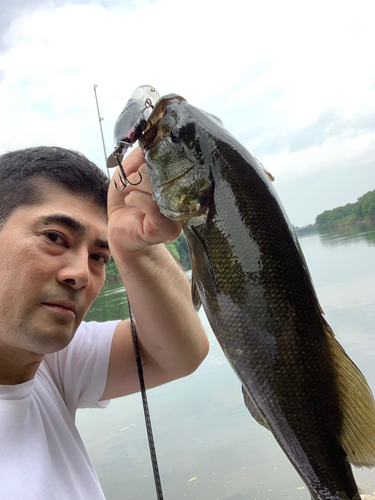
312 228
346 223
360 211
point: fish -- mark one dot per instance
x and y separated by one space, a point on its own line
250 276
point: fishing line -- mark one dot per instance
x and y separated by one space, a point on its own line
154 461
109 92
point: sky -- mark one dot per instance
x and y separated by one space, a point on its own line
294 81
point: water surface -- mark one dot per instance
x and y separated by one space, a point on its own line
208 445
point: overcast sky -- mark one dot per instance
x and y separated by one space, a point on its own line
294 81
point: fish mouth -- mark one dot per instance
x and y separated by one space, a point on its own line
150 136
173 215
153 130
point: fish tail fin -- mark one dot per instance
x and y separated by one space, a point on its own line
357 435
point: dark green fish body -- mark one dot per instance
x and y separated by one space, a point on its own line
254 285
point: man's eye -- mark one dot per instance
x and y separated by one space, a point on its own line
102 259
54 237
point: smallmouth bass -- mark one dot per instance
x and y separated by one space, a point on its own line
249 273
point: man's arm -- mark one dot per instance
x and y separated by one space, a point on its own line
171 337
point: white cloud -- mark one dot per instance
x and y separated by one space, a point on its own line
269 70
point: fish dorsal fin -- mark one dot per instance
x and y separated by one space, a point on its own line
254 410
195 295
357 404
268 174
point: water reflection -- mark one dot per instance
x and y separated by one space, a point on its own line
349 234
208 446
110 304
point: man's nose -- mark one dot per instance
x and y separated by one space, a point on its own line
76 272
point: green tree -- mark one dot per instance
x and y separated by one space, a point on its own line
177 248
358 211
367 202
322 219
364 208
111 269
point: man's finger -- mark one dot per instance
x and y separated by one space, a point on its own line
133 161
144 203
140 175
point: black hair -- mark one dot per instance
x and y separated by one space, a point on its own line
21 172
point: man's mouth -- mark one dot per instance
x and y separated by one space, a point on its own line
62 307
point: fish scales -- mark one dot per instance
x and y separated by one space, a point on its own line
280 357
249 273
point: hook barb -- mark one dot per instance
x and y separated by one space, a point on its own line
124 180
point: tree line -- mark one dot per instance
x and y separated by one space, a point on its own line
178 249
363 209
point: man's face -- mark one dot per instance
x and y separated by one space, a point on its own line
52 267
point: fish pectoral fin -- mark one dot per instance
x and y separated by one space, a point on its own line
254 410
201 267
357 435
199 256
195 295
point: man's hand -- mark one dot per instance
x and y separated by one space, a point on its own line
171 338
135 221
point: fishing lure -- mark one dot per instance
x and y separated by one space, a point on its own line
129 127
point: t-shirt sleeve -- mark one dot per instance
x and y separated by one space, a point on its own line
81 369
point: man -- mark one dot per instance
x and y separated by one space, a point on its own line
55 238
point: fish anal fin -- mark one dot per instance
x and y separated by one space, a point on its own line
357 405
253 409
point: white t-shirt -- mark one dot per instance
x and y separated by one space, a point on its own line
42 456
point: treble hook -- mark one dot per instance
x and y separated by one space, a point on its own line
118 155
136 130
124 180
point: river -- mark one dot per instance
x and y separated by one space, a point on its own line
208 445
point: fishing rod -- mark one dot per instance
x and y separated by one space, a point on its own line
150 436
101 129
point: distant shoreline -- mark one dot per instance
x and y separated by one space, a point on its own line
363 210
315 227
311 228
